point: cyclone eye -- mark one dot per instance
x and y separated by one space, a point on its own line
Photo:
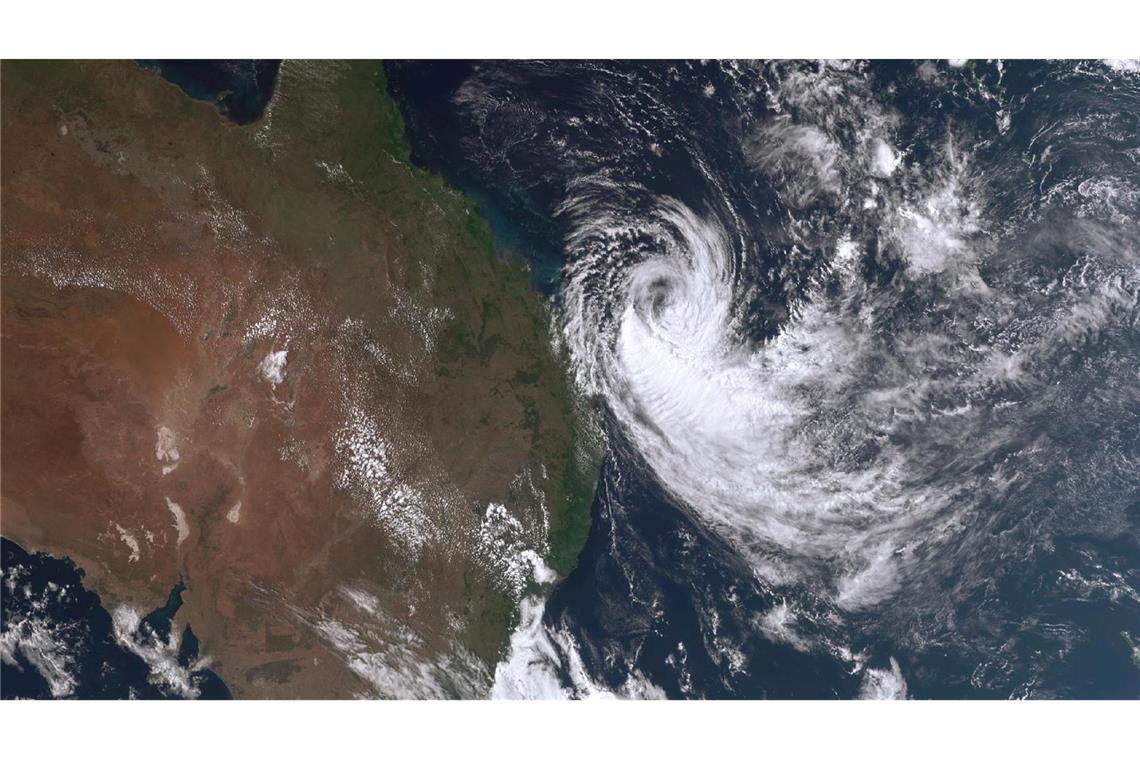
658 293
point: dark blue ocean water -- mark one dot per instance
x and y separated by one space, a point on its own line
46 607
657 593
241 89
1045 597
58 626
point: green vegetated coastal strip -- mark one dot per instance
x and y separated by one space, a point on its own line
318 199
496 307
326 176
570 448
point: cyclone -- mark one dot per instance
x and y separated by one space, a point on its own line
822 451
870 327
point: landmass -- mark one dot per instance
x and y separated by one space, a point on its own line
280 365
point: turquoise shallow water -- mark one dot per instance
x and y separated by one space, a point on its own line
991 209
947 498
